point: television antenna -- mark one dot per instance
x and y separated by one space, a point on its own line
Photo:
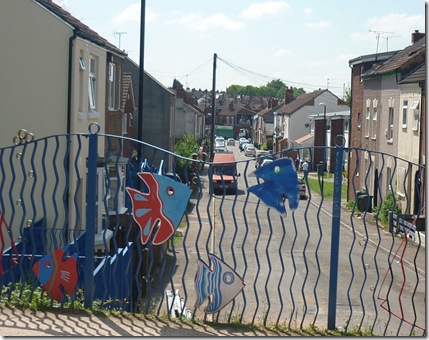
385 35
119 34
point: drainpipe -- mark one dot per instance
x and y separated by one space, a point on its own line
69 88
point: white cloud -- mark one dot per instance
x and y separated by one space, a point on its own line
132 14
256 11
282 52
307 10
359 37
318 25
195 22
344 58
62 3
397 24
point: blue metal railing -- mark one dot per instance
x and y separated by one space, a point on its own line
320 265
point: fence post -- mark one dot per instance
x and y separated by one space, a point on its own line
335 236
91 190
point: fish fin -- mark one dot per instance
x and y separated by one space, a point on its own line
270 196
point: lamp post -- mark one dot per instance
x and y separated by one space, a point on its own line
213 109
274 131
324 139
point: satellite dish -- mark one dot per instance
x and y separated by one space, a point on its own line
306 125
278 129
328 127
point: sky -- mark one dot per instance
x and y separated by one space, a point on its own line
306 44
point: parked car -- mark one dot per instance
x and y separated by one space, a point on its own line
220 142
302 190
221 149
250 150
243 145
260 158
224 173
266 161
230 141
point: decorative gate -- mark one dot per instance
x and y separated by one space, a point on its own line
125 225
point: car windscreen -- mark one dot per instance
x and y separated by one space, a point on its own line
226 170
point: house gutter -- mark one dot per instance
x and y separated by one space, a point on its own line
69 86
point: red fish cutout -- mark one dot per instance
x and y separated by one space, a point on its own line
162 207
58 276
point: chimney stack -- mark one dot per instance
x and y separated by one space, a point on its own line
416 36
288 95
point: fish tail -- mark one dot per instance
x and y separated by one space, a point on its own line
202 284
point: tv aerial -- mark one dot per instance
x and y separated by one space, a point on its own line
385 35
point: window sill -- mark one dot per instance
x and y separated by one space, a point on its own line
93 114
374 138
366 136
390 141
81 115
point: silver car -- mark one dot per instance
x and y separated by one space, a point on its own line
250 150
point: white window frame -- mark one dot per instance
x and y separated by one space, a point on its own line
390 124
112 86
374 123
368 115
359 121
404 113
416 114
82 63
92 88
124 123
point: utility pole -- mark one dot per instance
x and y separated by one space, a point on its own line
213 109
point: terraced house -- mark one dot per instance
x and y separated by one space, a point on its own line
388 116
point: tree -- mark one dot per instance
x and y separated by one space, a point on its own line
348 96
185 147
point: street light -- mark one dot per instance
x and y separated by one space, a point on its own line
275 113
324 139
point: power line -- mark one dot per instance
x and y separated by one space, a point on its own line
268 78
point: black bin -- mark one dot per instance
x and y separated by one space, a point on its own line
364 202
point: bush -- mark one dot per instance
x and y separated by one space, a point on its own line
388 206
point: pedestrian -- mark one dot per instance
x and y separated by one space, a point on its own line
297 164
305 169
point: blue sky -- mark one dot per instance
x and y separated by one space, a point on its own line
304 43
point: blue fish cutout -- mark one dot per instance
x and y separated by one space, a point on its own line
163 206
57 275
280 182
221 282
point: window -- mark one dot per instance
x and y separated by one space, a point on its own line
368 114
359 121
124 123
346 125
401 176
82 63
92 85
416 115
404 114
112 80
389 131
374 123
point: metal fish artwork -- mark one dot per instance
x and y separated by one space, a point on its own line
280 181
162 207
221 283
58 275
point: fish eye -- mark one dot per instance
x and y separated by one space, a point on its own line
228 278
170 191
276 169
47 264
